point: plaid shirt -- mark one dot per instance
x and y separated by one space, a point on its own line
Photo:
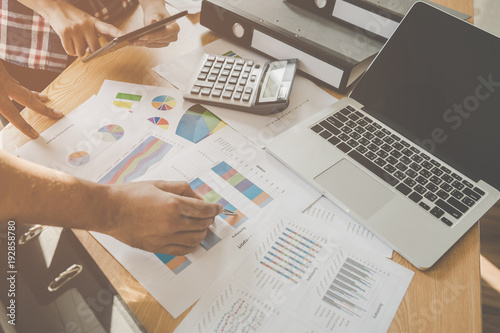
26 39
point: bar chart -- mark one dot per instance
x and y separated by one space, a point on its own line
291 254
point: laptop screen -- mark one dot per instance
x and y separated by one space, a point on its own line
437 82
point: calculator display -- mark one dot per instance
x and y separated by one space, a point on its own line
272 80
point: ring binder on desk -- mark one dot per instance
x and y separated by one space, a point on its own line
328 52
59 287
379 18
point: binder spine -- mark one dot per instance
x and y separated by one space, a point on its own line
314 62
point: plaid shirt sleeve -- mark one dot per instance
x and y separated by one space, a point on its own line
26 39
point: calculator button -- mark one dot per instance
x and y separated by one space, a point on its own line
206 91
219 86
220 59
230 87
239 89
225 72
209 63
215 71
238 68
227 94
230 60
228 66
204 84
248 69
223 78
205 69
257 66
195 90
212 77
252 78
249 63
246 97
245 75
237 96
243 82
240 62
248 90
236 73
216 92
211 58
233 80
202 76
218 65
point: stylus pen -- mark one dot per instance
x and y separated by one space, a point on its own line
229 212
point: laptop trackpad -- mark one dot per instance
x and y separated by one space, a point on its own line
353 187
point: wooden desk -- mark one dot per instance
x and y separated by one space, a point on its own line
445 298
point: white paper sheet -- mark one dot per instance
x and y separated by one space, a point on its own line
192 6
93 139
325 210
300 278
306 97
224 168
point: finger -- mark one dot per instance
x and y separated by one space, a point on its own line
68 45
179 188
191 207
92 41
80 45
175 250
12 114
33 100
107 30
193 224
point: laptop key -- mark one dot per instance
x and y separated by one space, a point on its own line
447 178
334 140
430 196
437 212
420 189
472 194
478 190
403 189
361 149
335 122
317 128
446 221
457 194
325 134
447 187
415 197
340 117
373 167
410 182
442 194
424 205
334 130
457 204
468 201
458 185
344 147
399 175
448 209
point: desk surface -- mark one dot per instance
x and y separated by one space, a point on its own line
444 298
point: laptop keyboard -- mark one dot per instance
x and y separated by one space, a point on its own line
433 186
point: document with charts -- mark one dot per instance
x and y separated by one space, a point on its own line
227 169
98 143
300 278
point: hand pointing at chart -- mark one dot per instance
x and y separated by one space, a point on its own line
157 216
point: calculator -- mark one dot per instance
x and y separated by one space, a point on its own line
260 87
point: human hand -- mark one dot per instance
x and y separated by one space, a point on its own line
158 216
79 31
154 12
10 88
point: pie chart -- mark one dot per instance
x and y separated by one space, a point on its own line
110 133
79 158
164 103
161 122
198 123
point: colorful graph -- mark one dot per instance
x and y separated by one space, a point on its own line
230 54
242 316
161 122
242 184
209 195
110 133
175 264
126 101
149 152
79 158
164 103
198 123
291 254
350 288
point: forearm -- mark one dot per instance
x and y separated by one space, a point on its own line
44 7
34 194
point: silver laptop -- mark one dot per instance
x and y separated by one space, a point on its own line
414 152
